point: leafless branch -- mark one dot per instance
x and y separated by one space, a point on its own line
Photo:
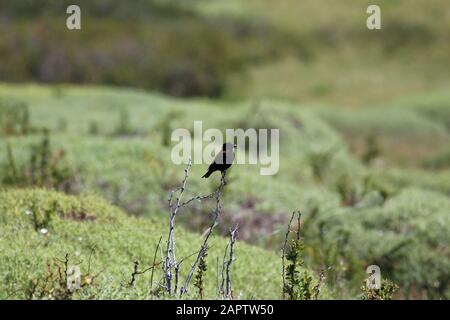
224 262
170 258
218 290
154 263
135 272
216 213
233 235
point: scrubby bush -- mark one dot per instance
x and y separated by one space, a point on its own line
393 216
373 149
45 168
438 160
123 126
297 284
159 55
406 237
14 117
386 291
111 241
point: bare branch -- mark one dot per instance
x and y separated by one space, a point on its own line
154 264
135 272
216 212
170 259
233 235
199 198
218 291
224 262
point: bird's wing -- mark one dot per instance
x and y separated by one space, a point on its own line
218 158
221 158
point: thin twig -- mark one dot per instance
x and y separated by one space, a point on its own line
224 262
66 266
154 263
152 267
199 198
135 272
170 259
217 277
233 235
298 226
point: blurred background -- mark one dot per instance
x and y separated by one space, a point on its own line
310 51
364 117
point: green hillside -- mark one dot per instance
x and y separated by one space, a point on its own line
337 61
312 52
361 205
105 242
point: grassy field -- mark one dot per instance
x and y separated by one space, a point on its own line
85 142
310 52
364 201
104 242
337 60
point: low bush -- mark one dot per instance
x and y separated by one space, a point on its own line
14 118
45 168
110 243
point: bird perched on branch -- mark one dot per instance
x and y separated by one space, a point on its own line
223 160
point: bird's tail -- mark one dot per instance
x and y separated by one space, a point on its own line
207 174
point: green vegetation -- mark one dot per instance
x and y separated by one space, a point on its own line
297 285
14 117
364 119
317 52
355 213
105 242
343 63
45 168
173 50
384 293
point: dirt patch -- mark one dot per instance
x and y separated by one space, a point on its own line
254 227
78 216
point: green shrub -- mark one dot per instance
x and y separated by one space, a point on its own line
200 274
373 149
14 117
438 160
118 240
386 291
405 237
45 168
149 45
398 216
123 126
297 284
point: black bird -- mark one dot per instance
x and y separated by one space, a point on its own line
223 160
